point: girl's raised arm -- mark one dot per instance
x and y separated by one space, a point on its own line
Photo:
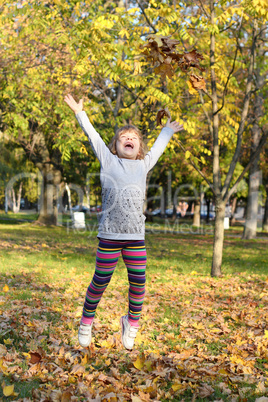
76 107
99 147
161 142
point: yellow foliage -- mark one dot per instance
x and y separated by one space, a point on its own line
8 390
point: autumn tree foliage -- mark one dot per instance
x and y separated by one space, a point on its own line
94 49
231 75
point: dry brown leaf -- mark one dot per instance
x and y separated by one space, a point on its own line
160 114
205 390
78 370
35 357
197 82
66 396
161 50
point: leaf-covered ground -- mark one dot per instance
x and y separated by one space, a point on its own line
201 338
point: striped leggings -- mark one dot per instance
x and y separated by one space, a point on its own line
108 252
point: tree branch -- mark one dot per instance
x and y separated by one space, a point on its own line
232 69
206 114
196 167
262 142
203 9
147 19
244 114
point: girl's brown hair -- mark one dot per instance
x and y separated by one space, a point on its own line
133 130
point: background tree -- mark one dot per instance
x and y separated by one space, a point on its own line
257 117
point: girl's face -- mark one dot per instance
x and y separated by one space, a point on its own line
128 145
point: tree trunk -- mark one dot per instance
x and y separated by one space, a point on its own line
196 219
233 209
208 209
218 238
48 214
265 218
250 228
16 203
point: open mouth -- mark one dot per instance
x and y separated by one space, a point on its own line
129 146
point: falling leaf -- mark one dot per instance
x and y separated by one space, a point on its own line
160 114
191 59
161 50
192 91
197 82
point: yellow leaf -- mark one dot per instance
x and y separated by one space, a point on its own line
197 325
84 361
175 387
5 288
193 272
8 390
8 341
139 363
187 154
148 365
72 380
266 334
192 91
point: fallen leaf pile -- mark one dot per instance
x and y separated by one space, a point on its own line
199 337
162 52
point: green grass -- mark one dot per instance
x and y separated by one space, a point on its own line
44 275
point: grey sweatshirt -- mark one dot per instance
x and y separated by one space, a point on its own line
123 183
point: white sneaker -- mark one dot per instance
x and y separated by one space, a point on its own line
128 332
84 335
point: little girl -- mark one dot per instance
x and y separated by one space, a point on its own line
124 167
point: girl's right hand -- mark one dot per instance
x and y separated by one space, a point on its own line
76 107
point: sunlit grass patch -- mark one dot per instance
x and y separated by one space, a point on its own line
195 329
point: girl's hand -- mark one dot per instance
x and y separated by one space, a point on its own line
174 125
76 107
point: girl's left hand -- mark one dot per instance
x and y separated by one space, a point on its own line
76 107
174 125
